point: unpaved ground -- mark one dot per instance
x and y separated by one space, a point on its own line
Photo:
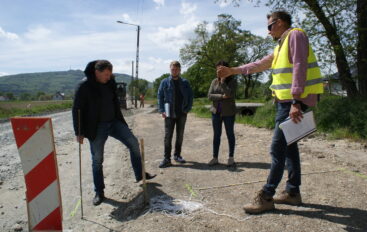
334 183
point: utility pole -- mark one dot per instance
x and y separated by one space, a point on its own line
137 57
137 66
131 83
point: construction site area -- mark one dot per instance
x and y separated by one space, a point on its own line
192 196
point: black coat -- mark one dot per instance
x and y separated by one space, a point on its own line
87 101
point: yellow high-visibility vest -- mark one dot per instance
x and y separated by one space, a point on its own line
282 72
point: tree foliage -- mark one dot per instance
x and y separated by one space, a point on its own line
226 42
157 82
138 86
338 31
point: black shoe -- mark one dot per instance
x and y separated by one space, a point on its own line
165 163
179 159
98 199
147 177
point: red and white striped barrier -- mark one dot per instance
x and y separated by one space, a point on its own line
35 142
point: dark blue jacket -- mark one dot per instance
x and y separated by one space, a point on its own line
166 94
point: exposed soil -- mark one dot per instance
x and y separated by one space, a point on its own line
334 182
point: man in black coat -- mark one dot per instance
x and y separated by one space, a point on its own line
97 107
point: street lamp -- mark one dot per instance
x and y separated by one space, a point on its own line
137 55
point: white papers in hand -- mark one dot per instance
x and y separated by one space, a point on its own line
167 110
296 131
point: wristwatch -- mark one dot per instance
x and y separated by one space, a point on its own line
295 101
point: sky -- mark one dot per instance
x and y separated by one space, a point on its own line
58 35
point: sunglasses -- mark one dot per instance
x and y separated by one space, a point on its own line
271 24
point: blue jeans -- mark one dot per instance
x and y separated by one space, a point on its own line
282 155
169 126
217 121
121 132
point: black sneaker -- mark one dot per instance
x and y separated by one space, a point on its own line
147 177
165 163
98 198
179 159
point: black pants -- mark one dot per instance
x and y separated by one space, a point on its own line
169 126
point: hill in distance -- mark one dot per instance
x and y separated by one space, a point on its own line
47 82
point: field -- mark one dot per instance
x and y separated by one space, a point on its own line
21 108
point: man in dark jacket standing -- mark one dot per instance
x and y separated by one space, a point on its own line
97 107
175 101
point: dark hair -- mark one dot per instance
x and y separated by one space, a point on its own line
222 63
282 15
176 64
102 65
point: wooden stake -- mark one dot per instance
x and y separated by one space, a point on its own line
145 192
80 166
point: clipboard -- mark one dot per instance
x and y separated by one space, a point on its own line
296 131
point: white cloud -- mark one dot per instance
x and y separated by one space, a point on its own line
210 27
149 69
174 38
159 3
8 35
3 74
127 19
224 3
188 8
38 33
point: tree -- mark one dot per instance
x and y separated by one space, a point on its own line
338 28
40 95
10 96
227 42
157 82
141 86
25 97
200 78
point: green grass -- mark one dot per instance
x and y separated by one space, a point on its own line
342 117
12 109
201 111
338 117
264 117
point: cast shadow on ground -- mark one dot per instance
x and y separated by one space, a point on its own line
354 219
131 210
239 167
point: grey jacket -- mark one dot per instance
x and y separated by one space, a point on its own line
216 92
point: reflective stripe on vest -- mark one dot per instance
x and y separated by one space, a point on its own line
290 70
288 86
282 72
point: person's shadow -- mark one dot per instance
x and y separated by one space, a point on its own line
355 220
238 167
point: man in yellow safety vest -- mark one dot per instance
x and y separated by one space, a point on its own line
296 84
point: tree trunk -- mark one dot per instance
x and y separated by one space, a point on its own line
247 85
345 75
362 46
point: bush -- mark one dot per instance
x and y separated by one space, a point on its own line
344 116
263 117
340 117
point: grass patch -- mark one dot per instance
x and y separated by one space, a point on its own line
201 111
338 117
264 117
342 117
202 101
12 109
